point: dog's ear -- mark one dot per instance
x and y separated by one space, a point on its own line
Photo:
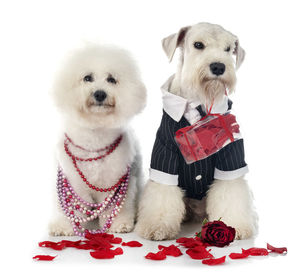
240 54
173 41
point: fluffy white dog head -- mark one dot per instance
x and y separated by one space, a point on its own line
99 86
207 66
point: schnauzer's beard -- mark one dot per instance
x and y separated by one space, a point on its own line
212 90
209 89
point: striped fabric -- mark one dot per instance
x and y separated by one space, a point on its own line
194 178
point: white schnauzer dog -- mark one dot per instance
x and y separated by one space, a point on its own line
98 91
213 187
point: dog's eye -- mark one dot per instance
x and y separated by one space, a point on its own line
111 79
227 49
199 45
88 78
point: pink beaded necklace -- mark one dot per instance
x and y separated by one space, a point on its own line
79 211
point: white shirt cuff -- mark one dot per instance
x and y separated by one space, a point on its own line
230 175
163 178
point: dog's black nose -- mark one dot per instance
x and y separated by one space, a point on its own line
217 68
100 95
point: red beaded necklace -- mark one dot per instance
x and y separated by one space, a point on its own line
108 150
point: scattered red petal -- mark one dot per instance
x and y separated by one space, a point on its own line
214 261
99 243
279 250
183 240
160 255
116 240
190 242
171 250
67 243
117 251
132 244
53 245
43 257
239 255
89 236
256 251
103 254
199 253
84 245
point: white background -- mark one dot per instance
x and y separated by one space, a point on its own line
35 35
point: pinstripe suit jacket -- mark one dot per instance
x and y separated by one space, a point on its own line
169 167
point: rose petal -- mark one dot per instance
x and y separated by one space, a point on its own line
103 254
239 255
160 255
198 239
279 250
99 240
89 235
256 251
43 257
99 243
117 251
190 242
199 253
53 245
75 244
171 250
67 243
115 240
132 244
215 261
86 245
183 240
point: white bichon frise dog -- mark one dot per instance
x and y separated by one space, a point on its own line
98 91
213 186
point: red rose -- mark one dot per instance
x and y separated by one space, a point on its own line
217 233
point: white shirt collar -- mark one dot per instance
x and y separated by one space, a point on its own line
173 105
176 106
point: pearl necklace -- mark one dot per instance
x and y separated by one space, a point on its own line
79 211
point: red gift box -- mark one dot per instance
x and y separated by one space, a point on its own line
207 136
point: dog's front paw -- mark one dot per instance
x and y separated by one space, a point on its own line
122 227
242 233
157 232
61 227
242 230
